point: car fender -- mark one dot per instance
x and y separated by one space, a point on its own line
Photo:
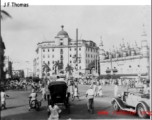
117 101
146 107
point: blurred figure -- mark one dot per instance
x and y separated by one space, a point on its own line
43 93
75 92
3 98
100 90
116 89
54 111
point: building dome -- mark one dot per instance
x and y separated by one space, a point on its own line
62 33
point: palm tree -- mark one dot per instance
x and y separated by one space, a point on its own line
46 69
4 13
58 65
69 69
2 47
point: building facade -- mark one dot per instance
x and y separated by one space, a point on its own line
18 73
126 60
65 50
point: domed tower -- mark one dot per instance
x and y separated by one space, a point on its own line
144 45
101 52
62 37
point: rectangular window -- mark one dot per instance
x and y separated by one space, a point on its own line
61 43
75 49
70 55
70 49
79 67
52 50
43 50
52 56
43 56
48 62
48 56
48 50
79 48
52 62
79 61
70 61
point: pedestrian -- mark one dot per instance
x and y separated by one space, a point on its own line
76 93
95 89
3 98
100 94
116 89
71 87
43 93
54 111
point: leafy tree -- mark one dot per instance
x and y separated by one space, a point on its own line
69 69
58 65
91 66
2 46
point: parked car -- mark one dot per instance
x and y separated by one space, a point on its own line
133 101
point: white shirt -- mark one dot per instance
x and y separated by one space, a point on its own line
90 93
3 96
33 96
43 90
60 79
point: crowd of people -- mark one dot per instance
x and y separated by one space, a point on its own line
95 89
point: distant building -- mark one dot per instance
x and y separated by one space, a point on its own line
64 49
18 73
2 48
8 67
126 60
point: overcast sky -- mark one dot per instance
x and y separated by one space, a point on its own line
28 26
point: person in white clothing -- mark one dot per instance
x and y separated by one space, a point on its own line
100 91
116 89
89 95
32 96
3 98
43 90
76 93
60 79
54 111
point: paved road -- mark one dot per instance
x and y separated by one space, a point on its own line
17 105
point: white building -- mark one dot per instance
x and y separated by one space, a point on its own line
127 60
63 48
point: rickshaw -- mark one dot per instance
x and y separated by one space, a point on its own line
58 94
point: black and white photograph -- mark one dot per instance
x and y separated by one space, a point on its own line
75 61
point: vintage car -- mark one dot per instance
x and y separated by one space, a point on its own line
133 101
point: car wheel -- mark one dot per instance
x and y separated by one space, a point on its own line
116 106
141 111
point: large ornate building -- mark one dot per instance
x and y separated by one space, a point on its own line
126 60
65 50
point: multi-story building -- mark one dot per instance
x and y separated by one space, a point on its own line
8 67
18 73
127 60
64 49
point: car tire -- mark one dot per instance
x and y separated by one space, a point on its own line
116 106
141 111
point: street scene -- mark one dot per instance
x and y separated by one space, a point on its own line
75 62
